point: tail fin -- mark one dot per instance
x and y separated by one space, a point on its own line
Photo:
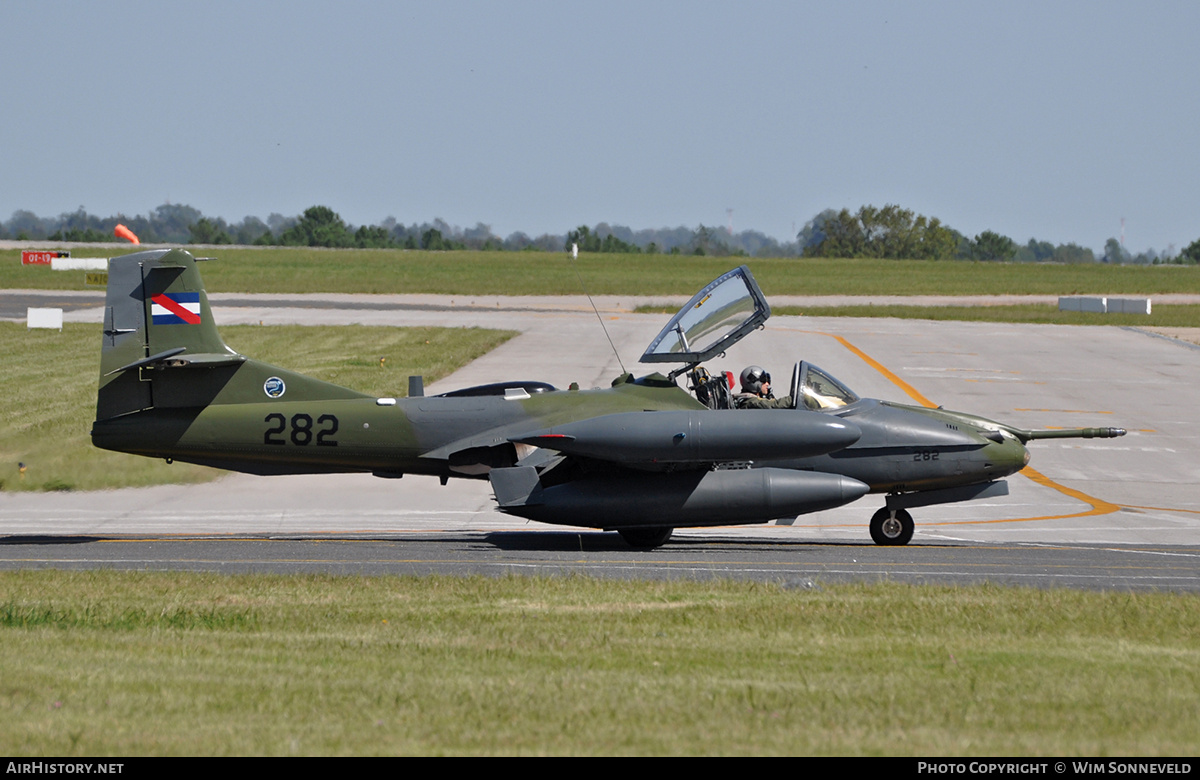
155 310
161 349
156 303
171 388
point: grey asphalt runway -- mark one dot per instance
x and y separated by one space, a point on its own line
1121 513
799 564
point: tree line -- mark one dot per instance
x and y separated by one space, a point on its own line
894 232
878 232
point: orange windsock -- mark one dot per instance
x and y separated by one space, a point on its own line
123 232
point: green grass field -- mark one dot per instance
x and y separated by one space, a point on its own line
105 663
301 270
48 391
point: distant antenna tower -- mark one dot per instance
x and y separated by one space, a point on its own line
729 212
1122 232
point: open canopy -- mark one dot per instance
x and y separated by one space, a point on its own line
714 319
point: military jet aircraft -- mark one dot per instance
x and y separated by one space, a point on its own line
641 457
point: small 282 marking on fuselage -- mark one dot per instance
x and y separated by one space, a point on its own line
301 430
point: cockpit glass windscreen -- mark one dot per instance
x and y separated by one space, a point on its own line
713 317
821 391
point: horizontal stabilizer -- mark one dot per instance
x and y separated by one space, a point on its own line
175 358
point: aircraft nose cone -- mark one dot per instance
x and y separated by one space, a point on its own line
1007 457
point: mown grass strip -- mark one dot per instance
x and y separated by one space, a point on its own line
317 665
303 270
48 391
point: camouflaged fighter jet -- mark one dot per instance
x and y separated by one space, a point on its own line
641 457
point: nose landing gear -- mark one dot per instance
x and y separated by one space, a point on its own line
892 527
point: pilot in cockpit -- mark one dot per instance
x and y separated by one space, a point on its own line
756 391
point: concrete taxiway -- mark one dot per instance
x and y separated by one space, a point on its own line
1131 500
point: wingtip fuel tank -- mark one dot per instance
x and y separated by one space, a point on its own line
684 436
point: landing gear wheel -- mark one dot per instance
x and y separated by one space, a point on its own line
890 528
645 538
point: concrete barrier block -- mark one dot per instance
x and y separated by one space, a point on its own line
1129 305
1083 303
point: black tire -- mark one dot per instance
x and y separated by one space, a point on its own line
646 538
892 530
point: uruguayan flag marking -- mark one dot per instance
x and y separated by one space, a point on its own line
176 308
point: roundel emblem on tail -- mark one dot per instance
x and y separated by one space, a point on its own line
274 387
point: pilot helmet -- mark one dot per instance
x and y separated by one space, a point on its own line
753 378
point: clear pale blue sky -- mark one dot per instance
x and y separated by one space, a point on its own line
1047 119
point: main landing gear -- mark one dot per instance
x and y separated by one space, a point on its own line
892 527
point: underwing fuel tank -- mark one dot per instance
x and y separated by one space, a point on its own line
687 498
640 438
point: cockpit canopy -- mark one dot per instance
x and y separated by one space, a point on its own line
819 391
715 319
